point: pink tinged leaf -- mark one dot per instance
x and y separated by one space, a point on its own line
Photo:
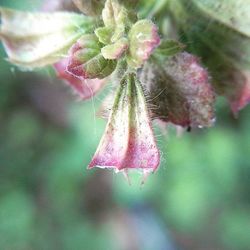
128 142
143 38
39 39
84 88
86 61
179 91
142 151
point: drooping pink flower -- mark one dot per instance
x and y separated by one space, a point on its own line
128 141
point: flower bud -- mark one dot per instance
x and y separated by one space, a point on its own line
143 39
86 60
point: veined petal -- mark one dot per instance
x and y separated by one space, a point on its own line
142 151
85 88
38 39
128 141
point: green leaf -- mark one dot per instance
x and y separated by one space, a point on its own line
169 48
38 39
233 14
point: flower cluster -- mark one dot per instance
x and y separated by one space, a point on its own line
154 79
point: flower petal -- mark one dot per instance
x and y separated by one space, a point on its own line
38 39
128 142
85 88
179 91
142 151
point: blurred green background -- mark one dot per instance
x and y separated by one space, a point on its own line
198 199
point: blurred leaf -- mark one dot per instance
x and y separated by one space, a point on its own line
179 91
218 31
37 39
17 216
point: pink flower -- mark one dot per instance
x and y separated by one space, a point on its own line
128 141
